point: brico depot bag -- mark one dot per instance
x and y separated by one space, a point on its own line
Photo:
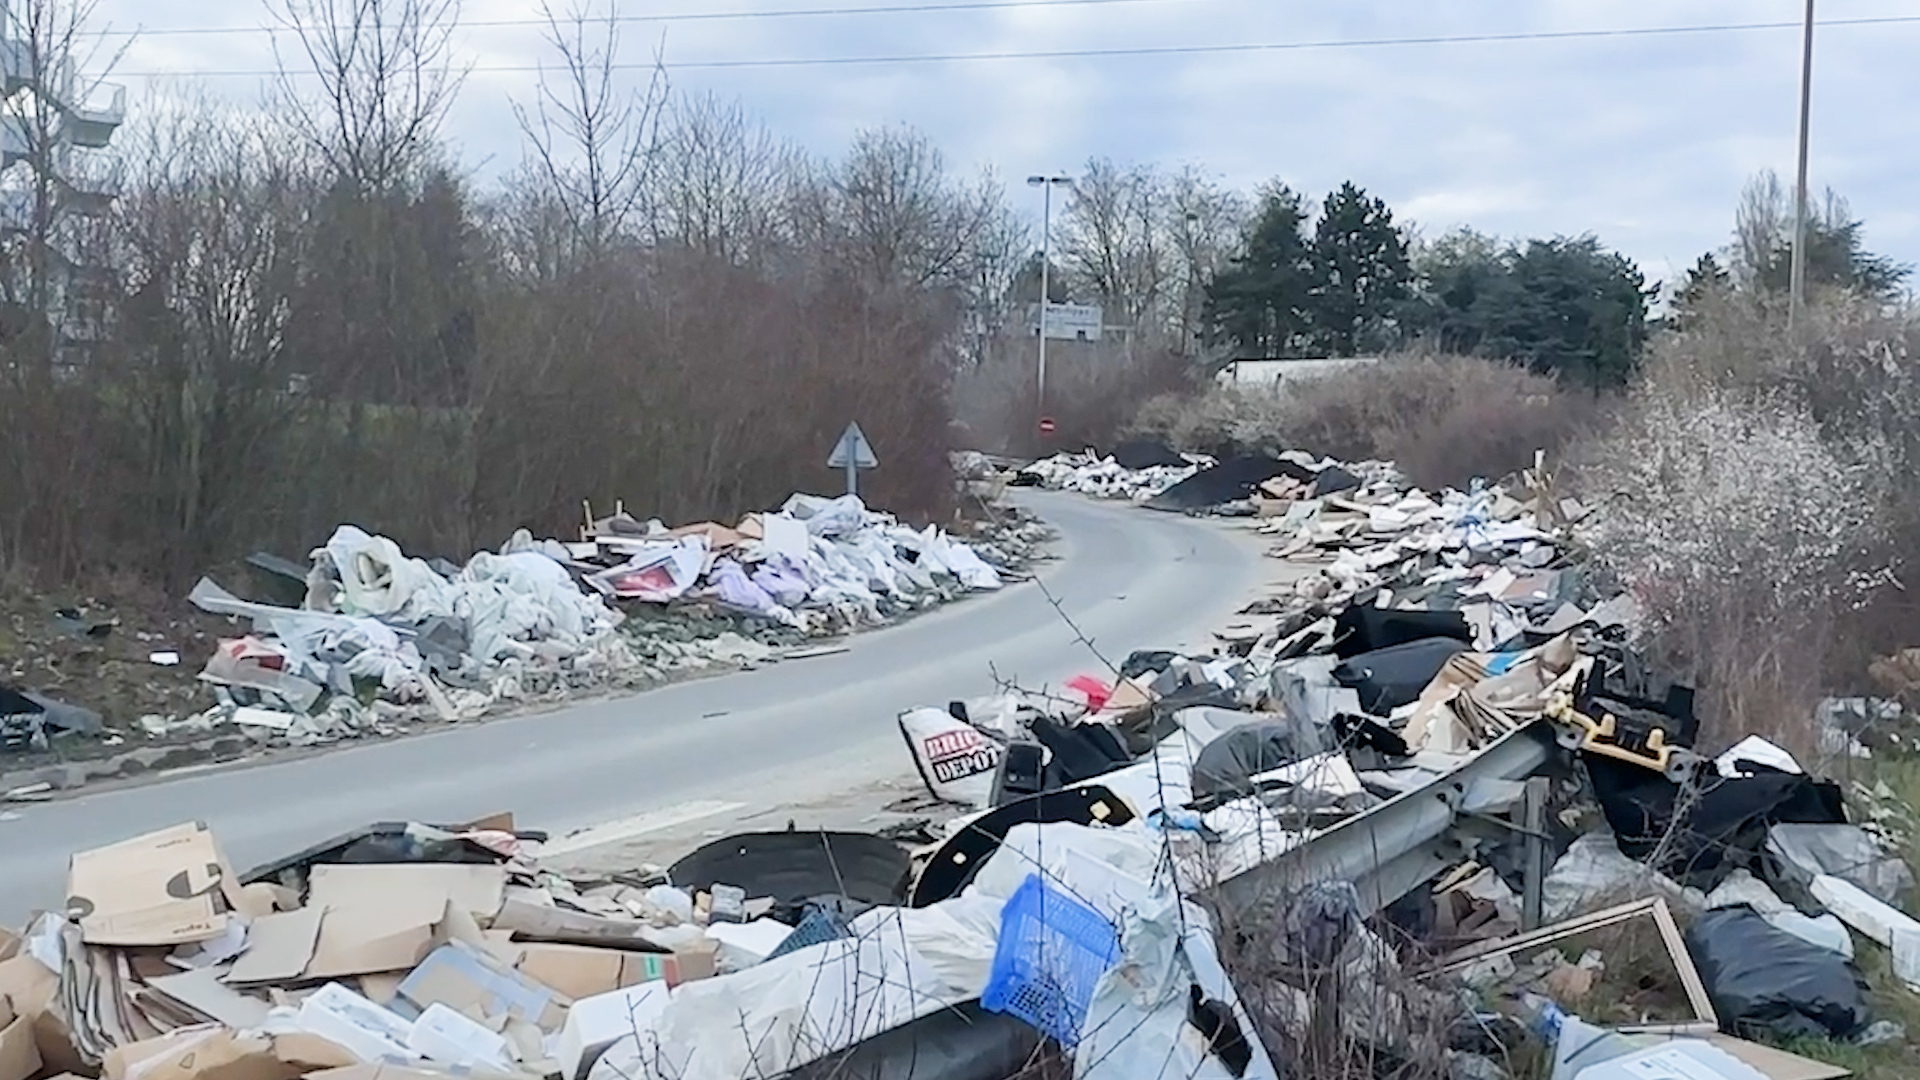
955 759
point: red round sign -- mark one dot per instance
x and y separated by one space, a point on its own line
1046 425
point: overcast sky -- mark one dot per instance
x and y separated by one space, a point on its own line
1642 140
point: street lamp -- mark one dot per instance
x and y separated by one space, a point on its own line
1797 273
1046 184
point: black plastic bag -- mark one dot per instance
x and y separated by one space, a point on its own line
1765 981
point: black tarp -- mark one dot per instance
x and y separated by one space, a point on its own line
1333 480
1726 821
794 867
1765 982
1394 676
1231 480
1358 630
1145 453
965 1042
1226 766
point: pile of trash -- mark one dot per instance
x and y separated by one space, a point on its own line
380 639
1104 477
1422 809
1429 763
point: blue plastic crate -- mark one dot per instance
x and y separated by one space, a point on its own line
818 928
1052 951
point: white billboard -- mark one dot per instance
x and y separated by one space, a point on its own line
1068 322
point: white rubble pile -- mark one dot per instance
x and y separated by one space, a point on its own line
385 639
1104 478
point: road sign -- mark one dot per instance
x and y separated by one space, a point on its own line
853 452
1046 425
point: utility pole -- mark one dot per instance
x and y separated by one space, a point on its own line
1046 184
1797 279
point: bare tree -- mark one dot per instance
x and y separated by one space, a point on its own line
1203 222
892 210
593 141
387 76
214 225
723 182
1111 242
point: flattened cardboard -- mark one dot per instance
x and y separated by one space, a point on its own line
279 948
308 1052
529 920
164 888
427 887
203 1053
581 971
9 944
204 995
382 918
19 1055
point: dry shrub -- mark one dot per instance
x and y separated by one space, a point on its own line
1444 419
1093 393
1749 503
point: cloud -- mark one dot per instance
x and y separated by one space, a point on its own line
1644 141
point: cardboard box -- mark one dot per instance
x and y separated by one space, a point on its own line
581 971
197 1053
465 977
31 988
527 919
19 1055
164 888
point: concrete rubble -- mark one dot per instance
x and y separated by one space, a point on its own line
1420 807
382 640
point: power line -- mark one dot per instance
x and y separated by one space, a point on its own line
701 16
1151 50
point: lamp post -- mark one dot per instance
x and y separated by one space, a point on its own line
1046 184
1797 273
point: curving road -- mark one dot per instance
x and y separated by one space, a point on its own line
736 745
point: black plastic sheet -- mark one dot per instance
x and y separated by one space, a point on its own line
1230 481
1145 453
1764 981
1225 767
1388 678
1723 827
792 867
1358 630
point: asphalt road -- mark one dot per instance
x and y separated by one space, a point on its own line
799 730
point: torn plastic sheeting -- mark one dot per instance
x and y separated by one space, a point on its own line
378 579
956 862
1847 852
781 578
373 649
656 573
1754 750
738 591
781 1015
841 516
259 665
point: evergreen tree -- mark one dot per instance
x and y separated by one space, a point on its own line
1261 301
1360 270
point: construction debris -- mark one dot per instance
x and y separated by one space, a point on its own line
383 640
1361 828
